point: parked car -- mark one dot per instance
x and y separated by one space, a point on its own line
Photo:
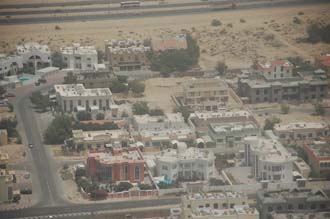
31 145
26 191
10 95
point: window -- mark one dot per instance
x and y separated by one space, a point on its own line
270 209
290 206
94 102
282 68
207 205
164 167
188 206
313 206
301 206
79 102
215 206
137 172
224 205
279 208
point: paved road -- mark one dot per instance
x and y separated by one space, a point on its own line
98 9
92 17
58 4
87 209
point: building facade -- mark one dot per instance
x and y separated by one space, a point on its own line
185 164
126 55
161 130
318 155
217 205
205 94
294 200
79 57
200 120
269 159
75 98
278 68
10 65
98 140
118 165
35 55
304 86
95 79
228 137
300 131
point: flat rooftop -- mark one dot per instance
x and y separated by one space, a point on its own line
316 195
168 117
28 47
215 195
185 154
79 50
301 215
91 135
120 155
220 114
300 126
125 46
237 210
232 127
269 149
320 148
78 90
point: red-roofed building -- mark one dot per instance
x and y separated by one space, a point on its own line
118 165
276 69
178 42
323 61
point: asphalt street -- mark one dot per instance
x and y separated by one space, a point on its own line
127 15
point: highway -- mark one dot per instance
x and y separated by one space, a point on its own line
127 15
98 9
86 209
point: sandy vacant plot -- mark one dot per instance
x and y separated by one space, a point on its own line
267 32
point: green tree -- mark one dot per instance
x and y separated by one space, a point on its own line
59 130
2 90
269 123
99 116
57 60
285 108
156 112
137 87
100 56
215 22
140 108
123 186
170 61
143 186
10 126
70 78
117 87
221 67
40 101
185 111
319 109
122 78
84 116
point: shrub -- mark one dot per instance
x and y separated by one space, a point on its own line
301 13
140 108
221 67
242 20
58 130
269 123
285 108
137 87
319 109
99 116
84 116
215 23
123 186
156 112
317 33
57 27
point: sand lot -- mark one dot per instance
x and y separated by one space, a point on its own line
265 33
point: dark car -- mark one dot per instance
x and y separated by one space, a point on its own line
10 95
26 191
